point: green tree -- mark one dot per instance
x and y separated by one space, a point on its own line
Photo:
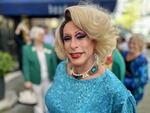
131 13
6 63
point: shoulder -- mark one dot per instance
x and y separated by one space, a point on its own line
124 105
142 59
27 46
47 46
62 64
60 72
118 57
61 68
121 96
116 93
112 82
115 86
112 79
124 53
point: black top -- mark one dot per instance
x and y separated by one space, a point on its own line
128 69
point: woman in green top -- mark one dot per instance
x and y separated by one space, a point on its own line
118 66
39 63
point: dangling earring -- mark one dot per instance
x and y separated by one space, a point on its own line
67 60
97 59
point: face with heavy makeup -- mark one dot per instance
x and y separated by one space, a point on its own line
78 46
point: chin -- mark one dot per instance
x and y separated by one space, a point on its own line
131 51
77 62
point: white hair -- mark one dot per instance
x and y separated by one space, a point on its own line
35 31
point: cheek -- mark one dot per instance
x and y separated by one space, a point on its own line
66 46
138 48
134 46
89 48
42 38
130 45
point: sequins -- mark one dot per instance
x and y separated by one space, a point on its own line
97 95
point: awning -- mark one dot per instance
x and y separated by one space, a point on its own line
44 7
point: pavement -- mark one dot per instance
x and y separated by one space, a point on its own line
8 101
14 82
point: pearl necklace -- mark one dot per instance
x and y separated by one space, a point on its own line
92 70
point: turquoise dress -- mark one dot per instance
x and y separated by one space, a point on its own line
104 94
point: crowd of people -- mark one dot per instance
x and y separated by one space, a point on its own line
96 74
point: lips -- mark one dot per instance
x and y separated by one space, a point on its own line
75 55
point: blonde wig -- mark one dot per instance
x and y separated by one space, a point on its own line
97 25
140 41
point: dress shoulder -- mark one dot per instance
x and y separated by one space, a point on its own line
123 101
127 106
116 87
142 59
61 69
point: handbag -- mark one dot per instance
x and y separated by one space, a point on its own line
27 97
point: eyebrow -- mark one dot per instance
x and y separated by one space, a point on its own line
82 33
76 32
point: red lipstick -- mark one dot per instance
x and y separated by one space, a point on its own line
75 55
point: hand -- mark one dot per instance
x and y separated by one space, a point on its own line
28 85
18 29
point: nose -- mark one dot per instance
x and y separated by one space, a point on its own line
130 44
73 43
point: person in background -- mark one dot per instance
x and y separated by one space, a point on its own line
4 34
122 44
24 28
118 65
81 83
39 63
49 37
136 75
22 38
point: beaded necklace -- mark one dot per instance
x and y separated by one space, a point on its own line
92 70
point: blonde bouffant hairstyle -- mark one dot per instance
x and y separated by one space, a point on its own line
97 25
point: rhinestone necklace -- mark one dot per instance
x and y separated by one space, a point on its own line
92 70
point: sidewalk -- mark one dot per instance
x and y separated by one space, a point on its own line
143 106
14 82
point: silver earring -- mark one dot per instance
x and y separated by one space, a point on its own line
67 60
97 59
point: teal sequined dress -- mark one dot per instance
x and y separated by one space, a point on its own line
104 94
